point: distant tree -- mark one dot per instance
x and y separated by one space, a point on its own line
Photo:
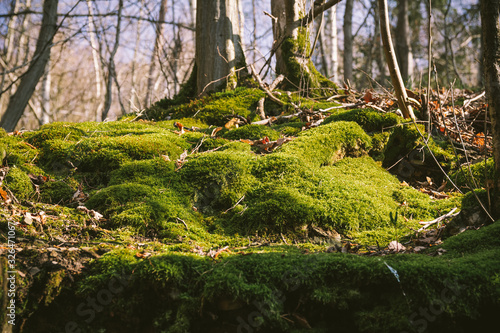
348 42
219 48
36 69
403 46
490 24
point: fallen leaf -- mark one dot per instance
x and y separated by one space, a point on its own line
368 96
232 123
215 131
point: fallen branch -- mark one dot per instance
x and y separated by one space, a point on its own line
181 220
450 214
263 87
236 204
468 101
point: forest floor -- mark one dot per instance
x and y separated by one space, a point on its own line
200 216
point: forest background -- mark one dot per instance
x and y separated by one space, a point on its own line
110 58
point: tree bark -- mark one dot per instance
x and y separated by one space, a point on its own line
291 37
392 62
108 97
96 59
334 57
490 26
21 97
348 41
45 113
154 55
219 48
403 48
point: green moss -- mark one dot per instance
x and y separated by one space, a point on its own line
145 208
213 109
101 154
251 132
299 75
327 144
370 120
219 179
480 172
19 183
56 192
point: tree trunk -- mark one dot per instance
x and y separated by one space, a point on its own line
96 59
403 47
348 40
219 49
293 52
392 62
45 92
108 97
155 54
334 55
28 83
490 15
379 50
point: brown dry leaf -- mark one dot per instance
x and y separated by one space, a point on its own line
215 131
232 123
368 97
250 142
4 195
165 158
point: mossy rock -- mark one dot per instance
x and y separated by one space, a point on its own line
19 183
251 132
406 144
370 120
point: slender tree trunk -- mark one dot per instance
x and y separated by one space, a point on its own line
155 54
108 97
133 93
21 97
334 54
45 92
97 60
392 62
348 42
219 50
403 47
379 58
490 24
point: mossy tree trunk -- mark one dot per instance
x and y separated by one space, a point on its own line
291 33
490 15
219 52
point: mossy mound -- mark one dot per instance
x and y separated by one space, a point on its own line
370 120
481 171
211 109
327 144
19 183
284 291
251 132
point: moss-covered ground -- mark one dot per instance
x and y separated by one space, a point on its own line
135 226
